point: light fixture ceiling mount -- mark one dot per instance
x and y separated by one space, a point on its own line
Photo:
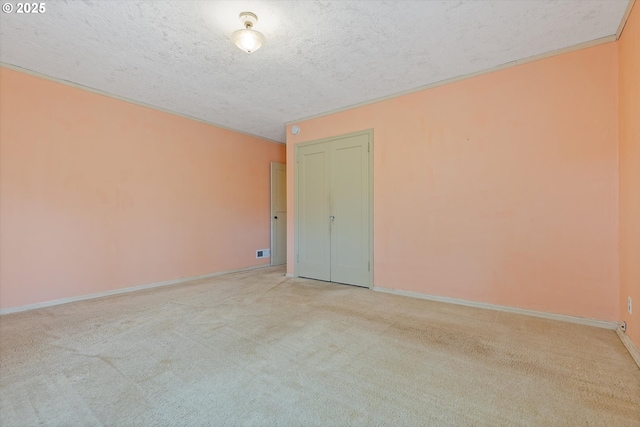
248 39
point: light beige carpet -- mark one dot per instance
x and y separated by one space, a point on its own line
256 348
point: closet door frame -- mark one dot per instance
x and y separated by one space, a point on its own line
369 133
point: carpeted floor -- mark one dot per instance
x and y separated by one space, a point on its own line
256 348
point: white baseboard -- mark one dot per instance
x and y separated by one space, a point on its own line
551 316
122 290
631 347
289 275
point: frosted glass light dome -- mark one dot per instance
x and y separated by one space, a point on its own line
248 39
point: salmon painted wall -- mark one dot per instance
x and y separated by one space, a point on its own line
98 194
502 188
629 68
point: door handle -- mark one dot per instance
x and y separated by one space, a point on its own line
275 217
332 218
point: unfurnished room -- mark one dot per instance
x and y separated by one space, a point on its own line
320 213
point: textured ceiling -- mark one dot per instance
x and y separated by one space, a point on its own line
319 55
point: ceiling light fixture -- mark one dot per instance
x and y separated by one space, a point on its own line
248 39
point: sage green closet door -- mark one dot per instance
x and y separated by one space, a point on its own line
333 210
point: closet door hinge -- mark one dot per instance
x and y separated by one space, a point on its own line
369 266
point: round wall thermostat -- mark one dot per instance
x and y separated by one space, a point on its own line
295 130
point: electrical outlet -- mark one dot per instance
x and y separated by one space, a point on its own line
263 253
629 305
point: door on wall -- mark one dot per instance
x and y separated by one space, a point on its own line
278 213
333 226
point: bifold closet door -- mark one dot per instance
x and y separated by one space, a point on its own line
350 210
314 244
333 227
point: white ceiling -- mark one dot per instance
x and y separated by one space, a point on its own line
319 55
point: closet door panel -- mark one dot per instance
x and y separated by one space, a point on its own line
350 210
314 245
